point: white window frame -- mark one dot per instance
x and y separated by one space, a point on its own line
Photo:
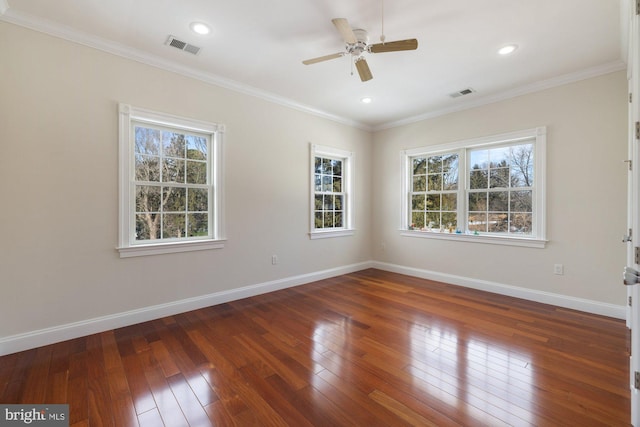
127 244
348 161
538 236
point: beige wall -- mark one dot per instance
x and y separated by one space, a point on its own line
586 192
59 177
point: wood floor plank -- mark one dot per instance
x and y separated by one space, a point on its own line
368 348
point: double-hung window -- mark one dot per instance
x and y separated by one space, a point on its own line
170 183
484 190
331 192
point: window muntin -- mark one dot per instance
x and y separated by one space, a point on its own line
499 192
171 189
331 192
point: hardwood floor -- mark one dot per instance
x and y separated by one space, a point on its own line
365 349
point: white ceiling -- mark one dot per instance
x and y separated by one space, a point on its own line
257 47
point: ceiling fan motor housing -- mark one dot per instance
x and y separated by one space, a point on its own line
361 45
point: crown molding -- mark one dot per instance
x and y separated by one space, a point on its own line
72 35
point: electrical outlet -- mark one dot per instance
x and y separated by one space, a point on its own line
558 269
274 259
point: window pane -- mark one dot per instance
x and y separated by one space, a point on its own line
521 223
521 201
435 182
499 201
498 223
318 202
478 179
433 202
435 164
417 220
337 167
147 198
147 141
499 178
328 203
478 201
173 226
147 226
318 165
173 170
450 220
198 224
173 144
479 159
449 202
337 185
318 182
328 219
147 168
338 203
338 220
326 166
499 157
198 199
419 166
196 147
196 172
419 183
433 219
174 199
318 222
417 202
522 165
477 221
327 183
450 172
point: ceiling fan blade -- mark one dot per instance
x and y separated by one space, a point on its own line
409 44
323 58
345 30
363 70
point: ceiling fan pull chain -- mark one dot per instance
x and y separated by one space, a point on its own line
382 37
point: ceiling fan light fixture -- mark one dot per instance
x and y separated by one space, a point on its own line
200 28
366 100
507 49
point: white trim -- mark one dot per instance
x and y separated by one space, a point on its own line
332 233
33 339
580 304
168 248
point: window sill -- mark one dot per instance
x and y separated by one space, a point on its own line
493 240
168 248
329 234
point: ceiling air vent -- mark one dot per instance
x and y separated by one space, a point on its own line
462 92
179 44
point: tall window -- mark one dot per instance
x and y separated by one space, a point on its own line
331 192
170 175
489 188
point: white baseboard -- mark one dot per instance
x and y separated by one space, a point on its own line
20 342
588 306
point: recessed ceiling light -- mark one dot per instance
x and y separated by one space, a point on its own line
508 49
200 28
367 100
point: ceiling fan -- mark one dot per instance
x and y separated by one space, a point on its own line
357 43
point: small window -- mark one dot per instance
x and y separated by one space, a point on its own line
170 183
485 190
331 192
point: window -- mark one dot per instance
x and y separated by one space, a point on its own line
170 183
484 190
331 211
